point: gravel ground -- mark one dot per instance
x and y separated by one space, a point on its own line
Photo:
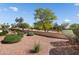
25 45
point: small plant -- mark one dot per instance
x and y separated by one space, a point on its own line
36 48
30 33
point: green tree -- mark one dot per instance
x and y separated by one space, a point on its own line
20 23
44 16
24 25
19 20
38 25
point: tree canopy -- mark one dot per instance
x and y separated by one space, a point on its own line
44 18
20 23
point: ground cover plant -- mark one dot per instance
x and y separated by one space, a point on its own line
12 38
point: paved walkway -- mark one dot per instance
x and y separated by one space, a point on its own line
25 45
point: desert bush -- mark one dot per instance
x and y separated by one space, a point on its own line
36 48
71 36
30 33
11 38
76 32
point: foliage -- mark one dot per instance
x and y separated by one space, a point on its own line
19 20
12 38
38 25
71 36
36 48
23 25
44 17
3 33
74 26
57 27
30 33
68 33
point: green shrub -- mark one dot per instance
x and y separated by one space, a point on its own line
68 33
76 32
71 36
3 33
36 48
11 38
30 33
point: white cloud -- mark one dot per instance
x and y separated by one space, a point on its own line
76 4
67 20
15 9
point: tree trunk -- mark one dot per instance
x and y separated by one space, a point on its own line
44 26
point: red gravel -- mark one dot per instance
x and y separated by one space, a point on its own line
25 45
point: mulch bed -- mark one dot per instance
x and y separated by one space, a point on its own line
65 50
61 43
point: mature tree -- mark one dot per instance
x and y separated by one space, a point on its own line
45 16
19 20
20 23
39 25
24 25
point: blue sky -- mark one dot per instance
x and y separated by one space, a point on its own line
64 11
